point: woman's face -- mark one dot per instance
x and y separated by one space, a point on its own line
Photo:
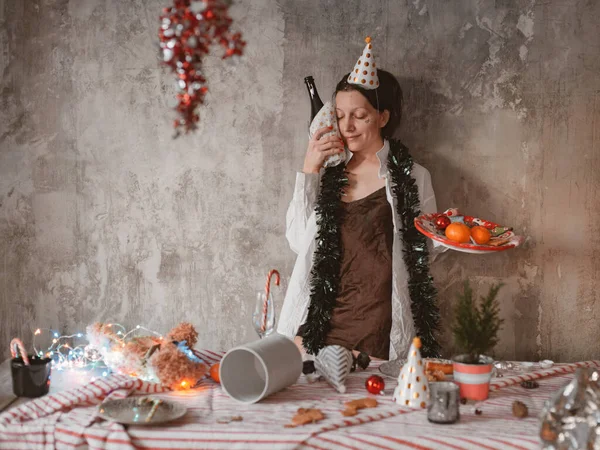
359 123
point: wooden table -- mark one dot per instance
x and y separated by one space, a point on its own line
388 426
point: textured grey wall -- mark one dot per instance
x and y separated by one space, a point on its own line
104 217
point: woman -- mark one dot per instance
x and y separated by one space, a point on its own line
366 306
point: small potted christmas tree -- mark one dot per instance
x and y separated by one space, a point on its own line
475 331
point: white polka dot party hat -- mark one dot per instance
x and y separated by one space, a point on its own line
413 387
365 71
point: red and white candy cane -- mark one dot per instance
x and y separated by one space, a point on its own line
263 326
18 344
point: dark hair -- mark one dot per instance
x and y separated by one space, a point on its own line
388 96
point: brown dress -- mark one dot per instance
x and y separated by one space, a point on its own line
362 317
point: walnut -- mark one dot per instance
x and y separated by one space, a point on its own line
519 409
530 384
548 434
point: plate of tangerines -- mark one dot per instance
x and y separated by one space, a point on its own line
467 233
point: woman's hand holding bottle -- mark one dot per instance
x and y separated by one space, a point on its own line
319 148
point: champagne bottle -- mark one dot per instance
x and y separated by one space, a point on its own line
315 101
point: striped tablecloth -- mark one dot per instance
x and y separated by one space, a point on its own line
68 419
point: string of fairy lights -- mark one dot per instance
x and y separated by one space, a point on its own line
65 354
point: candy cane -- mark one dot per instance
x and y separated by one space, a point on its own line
18 344
263 326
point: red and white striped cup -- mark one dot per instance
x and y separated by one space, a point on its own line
473 379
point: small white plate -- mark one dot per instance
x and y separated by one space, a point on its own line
128 411
525 366
464 250
425 225
546 364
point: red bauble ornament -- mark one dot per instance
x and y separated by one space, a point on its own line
375 384
442 222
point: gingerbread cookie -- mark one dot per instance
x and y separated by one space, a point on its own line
305 416
353 406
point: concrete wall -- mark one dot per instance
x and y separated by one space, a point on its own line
104 217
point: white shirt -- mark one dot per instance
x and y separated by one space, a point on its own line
301 230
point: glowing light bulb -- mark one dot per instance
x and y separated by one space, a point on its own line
79 334
55 334
38 331
183 383
54 341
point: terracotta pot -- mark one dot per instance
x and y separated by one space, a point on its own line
473 379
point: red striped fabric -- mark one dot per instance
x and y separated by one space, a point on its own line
68 419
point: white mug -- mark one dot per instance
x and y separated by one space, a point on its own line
256 370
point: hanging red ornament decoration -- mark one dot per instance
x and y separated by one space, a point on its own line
187 30
375 384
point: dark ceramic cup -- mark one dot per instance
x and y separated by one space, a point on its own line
32 380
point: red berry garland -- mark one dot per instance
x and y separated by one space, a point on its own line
187 30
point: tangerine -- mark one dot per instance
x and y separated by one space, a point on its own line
214 372
481 235
458 232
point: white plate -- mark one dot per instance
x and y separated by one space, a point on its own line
425 225
128 411
465 250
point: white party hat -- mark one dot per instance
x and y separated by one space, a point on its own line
365 71
326 118
413 387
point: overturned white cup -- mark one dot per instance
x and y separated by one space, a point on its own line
256 370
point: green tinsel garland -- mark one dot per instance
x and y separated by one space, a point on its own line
423 295
327 259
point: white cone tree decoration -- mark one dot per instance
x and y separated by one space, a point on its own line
413 387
